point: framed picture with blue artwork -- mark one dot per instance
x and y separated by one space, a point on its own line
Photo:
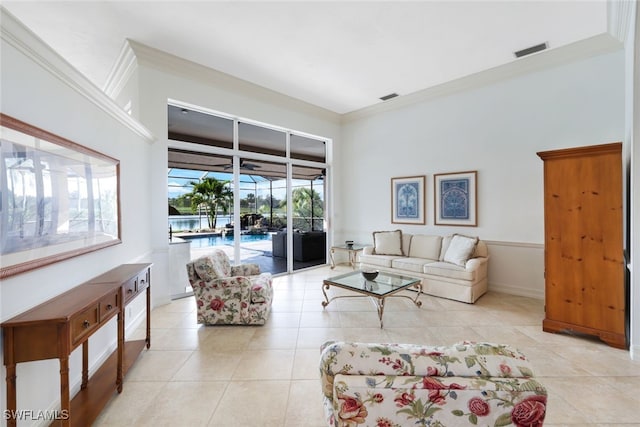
408 200
455 197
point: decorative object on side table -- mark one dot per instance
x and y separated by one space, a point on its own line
349 243
455 200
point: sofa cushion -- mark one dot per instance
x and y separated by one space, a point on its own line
460 249
451 271
387 242
377 260
425 246
446 240
410 264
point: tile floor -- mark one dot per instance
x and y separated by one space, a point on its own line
268 375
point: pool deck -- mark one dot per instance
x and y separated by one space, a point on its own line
257 252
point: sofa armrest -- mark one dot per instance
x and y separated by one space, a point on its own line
367 250
225 285
245 270
261 289
475 263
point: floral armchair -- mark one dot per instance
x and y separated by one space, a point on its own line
392 385
227 294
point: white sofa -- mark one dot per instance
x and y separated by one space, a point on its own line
453 267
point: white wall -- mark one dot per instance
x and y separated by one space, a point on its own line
41 89
496 130
632 128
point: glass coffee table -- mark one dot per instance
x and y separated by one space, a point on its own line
383 286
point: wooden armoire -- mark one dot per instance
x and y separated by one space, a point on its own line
584 251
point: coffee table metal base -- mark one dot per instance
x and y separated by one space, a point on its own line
378 301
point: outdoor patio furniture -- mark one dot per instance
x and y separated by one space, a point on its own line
307 245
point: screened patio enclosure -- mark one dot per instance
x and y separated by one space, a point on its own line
269 183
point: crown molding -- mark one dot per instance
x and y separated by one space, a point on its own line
164 61
26 42
597 45
620 14
122 71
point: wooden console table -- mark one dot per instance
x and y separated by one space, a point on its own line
53 329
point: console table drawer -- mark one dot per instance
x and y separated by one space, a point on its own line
83 323
109 306
130 289
143 281
136 285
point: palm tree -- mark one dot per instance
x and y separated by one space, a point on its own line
307 204
213 194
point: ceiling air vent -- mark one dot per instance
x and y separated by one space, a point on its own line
530 50
387 97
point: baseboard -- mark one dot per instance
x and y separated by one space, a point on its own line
516 290
634 352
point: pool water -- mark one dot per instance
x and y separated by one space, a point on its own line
216 240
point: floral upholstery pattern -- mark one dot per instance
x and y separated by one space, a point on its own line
393 385
225 294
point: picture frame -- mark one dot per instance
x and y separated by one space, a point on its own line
59 199
408 200
455 198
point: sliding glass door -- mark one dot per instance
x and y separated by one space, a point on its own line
260 190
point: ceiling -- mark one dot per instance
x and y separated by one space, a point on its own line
341 56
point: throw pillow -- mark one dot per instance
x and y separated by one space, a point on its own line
387 242
205 268
460 249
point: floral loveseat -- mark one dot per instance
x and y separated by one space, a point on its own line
227 294
392 385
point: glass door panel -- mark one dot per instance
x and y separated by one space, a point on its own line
309 231
263 192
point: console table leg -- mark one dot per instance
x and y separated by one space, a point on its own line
11 395
85 365
120 349
65 402
148 317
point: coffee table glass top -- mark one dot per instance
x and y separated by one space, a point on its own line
384 284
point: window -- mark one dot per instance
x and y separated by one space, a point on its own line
202 147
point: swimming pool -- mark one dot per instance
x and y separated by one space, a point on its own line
217 240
